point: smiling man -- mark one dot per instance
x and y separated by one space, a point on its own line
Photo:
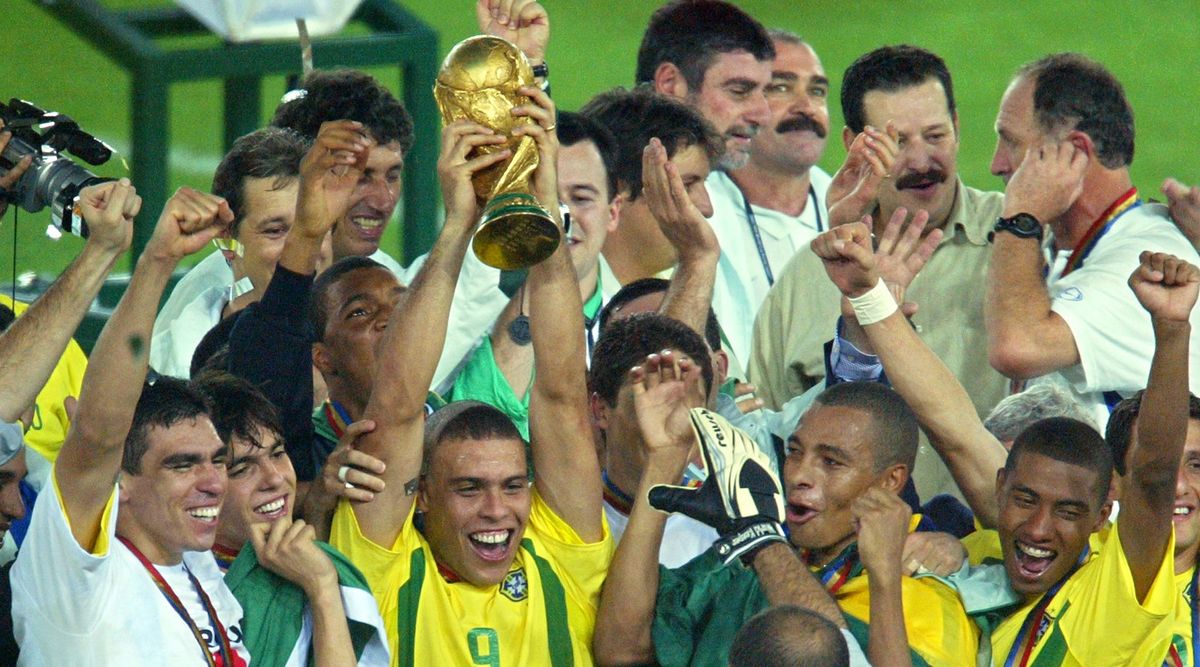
498 571
910 89
317 606
1051 491
137 586
1122 429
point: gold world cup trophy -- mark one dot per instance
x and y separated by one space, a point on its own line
478 82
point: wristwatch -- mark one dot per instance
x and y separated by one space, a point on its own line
1021 225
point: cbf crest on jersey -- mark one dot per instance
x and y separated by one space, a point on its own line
515 586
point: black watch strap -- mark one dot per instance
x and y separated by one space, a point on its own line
541 71
1021 225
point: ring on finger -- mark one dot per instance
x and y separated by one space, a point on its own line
341 475
350 486
551 126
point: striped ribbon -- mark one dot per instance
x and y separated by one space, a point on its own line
177 604
1100 227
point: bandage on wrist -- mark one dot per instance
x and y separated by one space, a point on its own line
877 304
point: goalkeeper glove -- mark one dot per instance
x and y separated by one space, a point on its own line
741 497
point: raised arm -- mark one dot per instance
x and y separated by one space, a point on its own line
567 472
918 375
522 22
626 614
90 458
1026 339
1166 287
271 344
408 352
690 295
31 347
328 174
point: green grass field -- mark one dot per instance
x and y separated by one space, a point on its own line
1152 45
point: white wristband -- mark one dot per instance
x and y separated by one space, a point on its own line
877 304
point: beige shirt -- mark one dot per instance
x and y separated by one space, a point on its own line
800 312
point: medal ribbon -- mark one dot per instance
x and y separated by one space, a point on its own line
1100 227
835 575
224 556
177 605
337 417
1027 638
623 502
620 500
1173 657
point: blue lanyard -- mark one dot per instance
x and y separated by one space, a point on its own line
752 220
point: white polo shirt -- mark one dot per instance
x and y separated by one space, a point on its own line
1111 329
742 281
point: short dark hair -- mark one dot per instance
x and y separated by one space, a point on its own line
317 315
1068 441
575 127
465 420
643 286
271 152
1072 91
889 69
636 116
163 404
789 636
893 423
239 409
346 94
625 343
1119 431
691 33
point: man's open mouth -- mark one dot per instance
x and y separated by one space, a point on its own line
492 545
1033 561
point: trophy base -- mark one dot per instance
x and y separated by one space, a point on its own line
516 232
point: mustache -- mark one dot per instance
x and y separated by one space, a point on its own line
801 123
918 178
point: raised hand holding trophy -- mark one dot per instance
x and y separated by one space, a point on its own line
478 82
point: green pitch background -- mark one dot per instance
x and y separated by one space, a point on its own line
1152 45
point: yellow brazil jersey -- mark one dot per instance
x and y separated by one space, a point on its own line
543 613
939 630
1094 619
1175 648
50 422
